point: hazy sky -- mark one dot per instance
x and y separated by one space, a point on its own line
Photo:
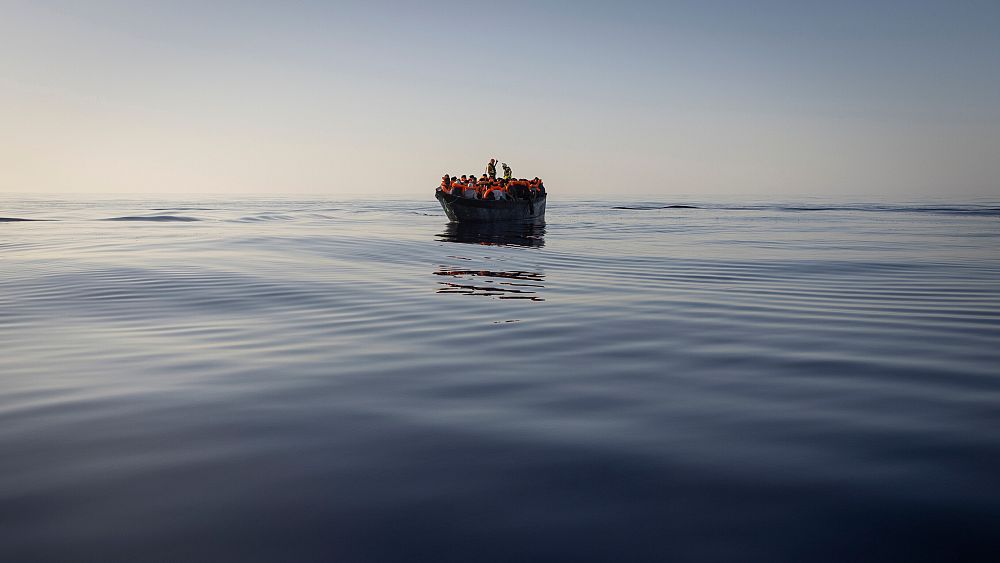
866 100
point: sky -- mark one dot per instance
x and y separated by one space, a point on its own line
763 100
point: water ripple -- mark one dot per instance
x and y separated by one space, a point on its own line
294 379
156 218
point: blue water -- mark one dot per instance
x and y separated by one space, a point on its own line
362 382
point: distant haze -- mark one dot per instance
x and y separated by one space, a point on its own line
886 100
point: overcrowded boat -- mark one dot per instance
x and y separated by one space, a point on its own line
488 199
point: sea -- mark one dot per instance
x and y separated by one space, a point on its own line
279 379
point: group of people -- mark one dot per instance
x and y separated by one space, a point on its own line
488 186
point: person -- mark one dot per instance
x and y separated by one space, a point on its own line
483 184
535 186
495 193
491 169
446 184
506 171
523 189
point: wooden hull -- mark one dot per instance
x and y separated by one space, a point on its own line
462 210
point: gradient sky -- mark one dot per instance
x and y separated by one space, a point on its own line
864 100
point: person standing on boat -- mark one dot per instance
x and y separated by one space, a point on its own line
491 169
506 171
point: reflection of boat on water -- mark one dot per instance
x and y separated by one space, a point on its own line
528 234
489 283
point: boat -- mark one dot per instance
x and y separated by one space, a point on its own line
464 210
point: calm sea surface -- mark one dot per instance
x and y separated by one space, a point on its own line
363 382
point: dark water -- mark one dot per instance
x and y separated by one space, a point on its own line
362 382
